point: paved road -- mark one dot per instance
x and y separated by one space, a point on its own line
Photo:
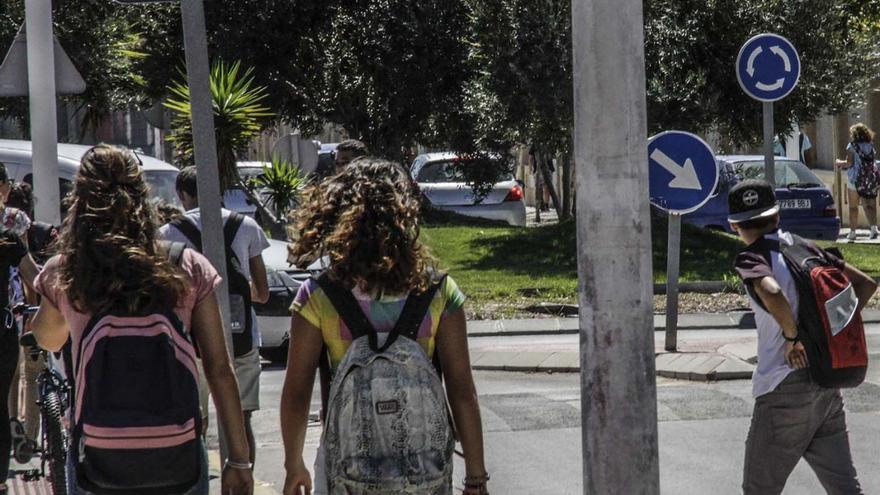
532 428
532 433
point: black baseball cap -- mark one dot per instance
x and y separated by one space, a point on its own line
751 199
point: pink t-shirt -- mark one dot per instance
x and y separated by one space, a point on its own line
202 276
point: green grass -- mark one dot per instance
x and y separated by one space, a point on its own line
494 262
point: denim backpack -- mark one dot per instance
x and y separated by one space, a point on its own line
387 428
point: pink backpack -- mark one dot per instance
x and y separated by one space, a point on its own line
137 422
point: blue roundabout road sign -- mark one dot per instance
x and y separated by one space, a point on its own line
768 67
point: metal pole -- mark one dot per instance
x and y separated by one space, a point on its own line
43 111
769 174
205 147
618 384
672 259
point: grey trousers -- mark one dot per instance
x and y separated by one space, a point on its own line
799 419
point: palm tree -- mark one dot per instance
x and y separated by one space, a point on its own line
281 183
238 118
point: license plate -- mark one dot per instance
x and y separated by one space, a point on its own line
795 204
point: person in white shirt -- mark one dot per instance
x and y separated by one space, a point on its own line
793 416
249 243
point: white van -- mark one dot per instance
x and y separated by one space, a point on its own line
16 155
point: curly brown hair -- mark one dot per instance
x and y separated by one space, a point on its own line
110 261
366 220
860 133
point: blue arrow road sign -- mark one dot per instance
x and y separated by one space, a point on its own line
682 171
768 67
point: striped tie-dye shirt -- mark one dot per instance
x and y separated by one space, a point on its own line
313 304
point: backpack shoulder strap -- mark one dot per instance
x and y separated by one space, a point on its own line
175 252
189 230
230 228
348 308
416 308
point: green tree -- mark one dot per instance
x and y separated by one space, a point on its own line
691 47
103 41
238 118
392 68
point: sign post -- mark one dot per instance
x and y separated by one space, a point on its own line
683 175
768 69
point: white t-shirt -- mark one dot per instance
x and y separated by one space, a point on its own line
762 259
250 241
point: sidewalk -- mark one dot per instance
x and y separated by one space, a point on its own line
743 320
710 346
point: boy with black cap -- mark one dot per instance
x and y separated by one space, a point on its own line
793 417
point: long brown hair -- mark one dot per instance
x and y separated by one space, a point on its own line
366 220
110 260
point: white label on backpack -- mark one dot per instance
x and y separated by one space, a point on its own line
841 309
237 314
387 407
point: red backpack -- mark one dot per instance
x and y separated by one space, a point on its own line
829 323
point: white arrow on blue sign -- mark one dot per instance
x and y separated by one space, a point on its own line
682 171
768 67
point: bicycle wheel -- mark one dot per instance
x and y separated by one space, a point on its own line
56 443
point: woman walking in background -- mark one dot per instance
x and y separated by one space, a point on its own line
376 320
863 180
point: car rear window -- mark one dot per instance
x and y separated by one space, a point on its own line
788 173
449 171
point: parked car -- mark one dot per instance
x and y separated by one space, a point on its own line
807 207
438 176
273 317
17 156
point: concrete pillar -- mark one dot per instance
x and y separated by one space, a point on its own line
43 110
618 385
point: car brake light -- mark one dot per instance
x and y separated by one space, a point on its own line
515 194
829 211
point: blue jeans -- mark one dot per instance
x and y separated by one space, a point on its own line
201 487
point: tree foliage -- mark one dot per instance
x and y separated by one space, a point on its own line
392 68
238 115
105 42
691 46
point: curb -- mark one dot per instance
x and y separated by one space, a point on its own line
736 320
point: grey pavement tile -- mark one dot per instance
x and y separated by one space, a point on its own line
701 402
864 398
747 351
495 360
561 361
528 361
701 371
686 372
732 369
532 411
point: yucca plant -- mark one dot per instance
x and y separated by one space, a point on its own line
281 184
238 117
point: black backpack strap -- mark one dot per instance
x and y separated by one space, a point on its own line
230 229
415 309
348 309
189 230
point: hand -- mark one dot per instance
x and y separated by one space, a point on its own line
237 481
298 480
795 355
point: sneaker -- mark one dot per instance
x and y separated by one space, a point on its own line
874 232
851 237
